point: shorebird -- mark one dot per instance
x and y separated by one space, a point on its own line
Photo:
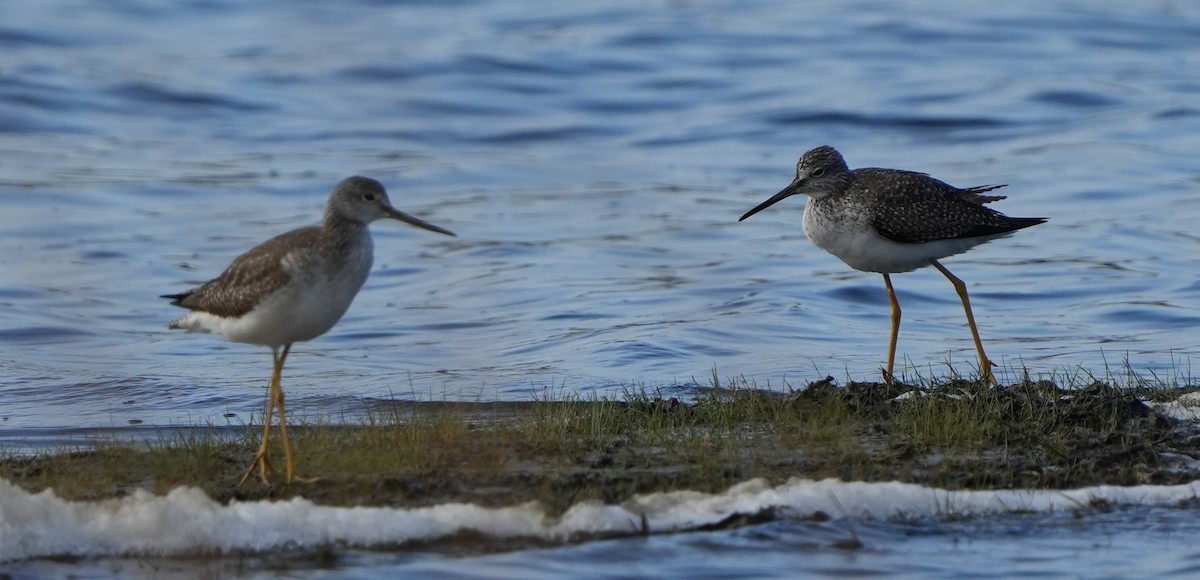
293 288
891 221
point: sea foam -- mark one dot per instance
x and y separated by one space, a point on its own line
186 521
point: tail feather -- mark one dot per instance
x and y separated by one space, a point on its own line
1022 222
972 194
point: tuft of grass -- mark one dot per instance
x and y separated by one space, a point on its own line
558 448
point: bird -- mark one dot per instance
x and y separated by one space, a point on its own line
293 288
891 221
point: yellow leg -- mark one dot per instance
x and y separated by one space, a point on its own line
985 365
887 373
274 397
287 442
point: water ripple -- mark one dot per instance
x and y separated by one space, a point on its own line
43 335
887 121
153 94
593 160
1075 99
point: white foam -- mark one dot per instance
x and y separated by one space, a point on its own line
188 522
1185 408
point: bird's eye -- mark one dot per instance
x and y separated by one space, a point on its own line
818 172
369 196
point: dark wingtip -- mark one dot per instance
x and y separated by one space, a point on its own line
1022 223
175 298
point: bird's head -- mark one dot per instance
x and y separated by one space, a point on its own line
364 200
819 172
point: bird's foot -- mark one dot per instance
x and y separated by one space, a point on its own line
262 465
987 375
888 377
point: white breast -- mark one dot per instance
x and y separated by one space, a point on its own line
321 289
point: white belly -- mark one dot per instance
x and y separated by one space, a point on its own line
295 313
315 298
851 238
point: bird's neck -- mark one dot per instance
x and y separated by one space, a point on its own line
337 221
344 232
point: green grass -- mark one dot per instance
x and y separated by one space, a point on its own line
560 449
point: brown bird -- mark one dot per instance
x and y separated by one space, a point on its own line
293 288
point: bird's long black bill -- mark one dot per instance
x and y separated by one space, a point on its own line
395 213
788 191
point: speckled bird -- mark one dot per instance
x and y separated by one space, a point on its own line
293 288
891 221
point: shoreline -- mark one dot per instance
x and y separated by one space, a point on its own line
954 435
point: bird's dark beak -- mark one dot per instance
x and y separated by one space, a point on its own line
397 214
788 191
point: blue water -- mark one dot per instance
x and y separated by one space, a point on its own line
593 159
1150 542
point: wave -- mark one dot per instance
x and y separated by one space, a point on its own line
186 522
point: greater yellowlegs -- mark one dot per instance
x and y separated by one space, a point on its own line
891 221
293 288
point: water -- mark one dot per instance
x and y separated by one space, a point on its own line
593 160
